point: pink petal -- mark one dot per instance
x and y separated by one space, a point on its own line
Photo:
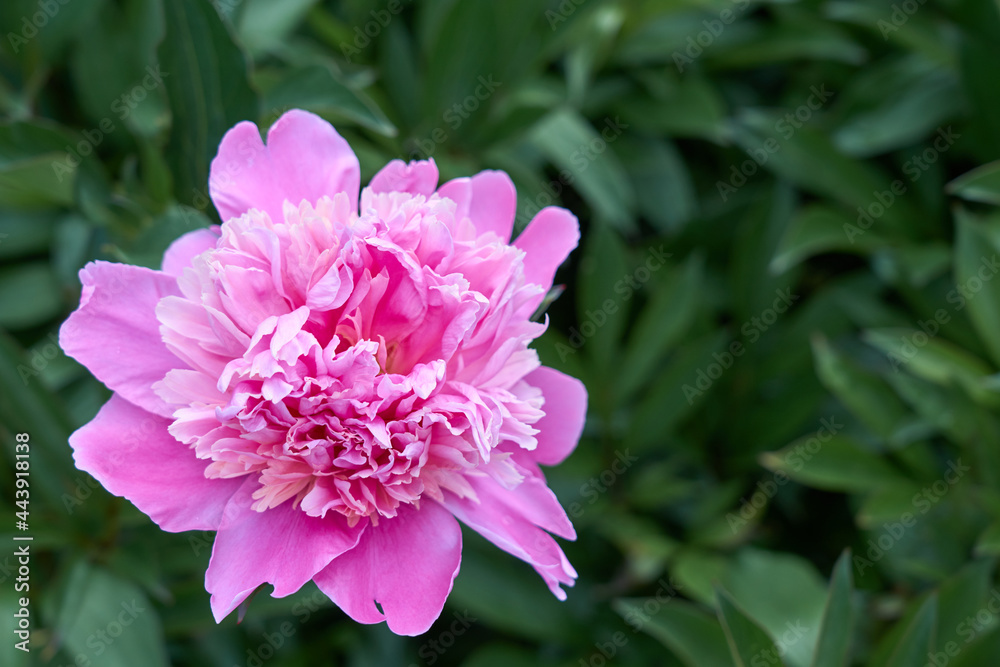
407 564
129 451
180 253
509 522
419 177
282 546
547 241
565 412
116 335
489 199
304 158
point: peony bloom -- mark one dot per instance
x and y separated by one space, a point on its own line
328 386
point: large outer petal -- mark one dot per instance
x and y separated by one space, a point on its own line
547 241
304 158
116 335
129 451
408 564
565 413
282 546
513 519
489 199
419 177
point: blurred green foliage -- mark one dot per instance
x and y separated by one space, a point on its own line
783 306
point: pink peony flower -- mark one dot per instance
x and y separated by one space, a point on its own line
329 387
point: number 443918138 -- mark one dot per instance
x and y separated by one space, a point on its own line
22 451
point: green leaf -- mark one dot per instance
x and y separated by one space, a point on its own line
148 247
599 306
501 655
208 90
807 157
316 89
29 295
698 571
912 265
949 410
576 147
902 103
115 73
936 360
696 108
32 183
834 646
839 464
978 650
784 595
103 615
28 407
918 638
981 184
675 393
865 394
663 321
694 636
47 29
658 38
400 75
819 229
923 34
748 643
798 35
39 161
977 52
976 248
886 503
265 25
468 28
25 234
495 589
961 597
988 543
662 182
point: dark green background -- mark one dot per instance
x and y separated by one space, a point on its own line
728 528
